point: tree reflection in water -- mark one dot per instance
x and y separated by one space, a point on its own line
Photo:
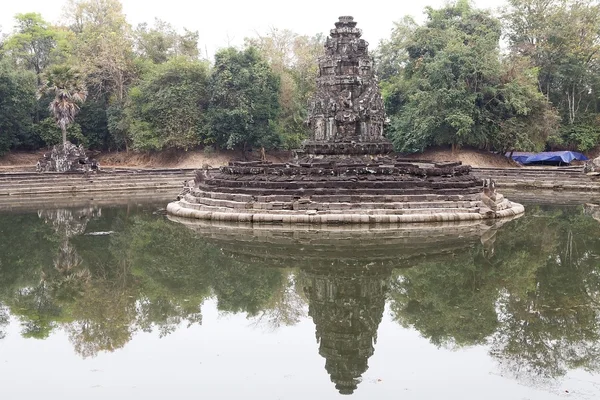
528 290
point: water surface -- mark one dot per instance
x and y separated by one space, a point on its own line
123 303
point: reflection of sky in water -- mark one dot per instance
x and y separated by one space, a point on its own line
529 296
230 357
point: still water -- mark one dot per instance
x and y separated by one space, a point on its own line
124 303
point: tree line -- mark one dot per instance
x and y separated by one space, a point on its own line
149 87
523 78
526 79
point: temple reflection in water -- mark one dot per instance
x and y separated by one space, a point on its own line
345 274
346 307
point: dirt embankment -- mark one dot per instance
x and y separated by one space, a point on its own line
475 158
197 158
20 159
182 159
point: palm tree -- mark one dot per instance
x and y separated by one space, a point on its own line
69 90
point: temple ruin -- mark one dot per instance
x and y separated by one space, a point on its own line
346 172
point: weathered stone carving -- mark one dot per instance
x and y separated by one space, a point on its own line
592 167
67 158
347 107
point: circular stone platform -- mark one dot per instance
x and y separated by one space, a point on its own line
352 190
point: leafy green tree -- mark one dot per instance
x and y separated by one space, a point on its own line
562 40
104 48
50 133
167 109
92 121
451 86
162 42
34 44
294 59
103 45
391 56
244 102
68 87
17 106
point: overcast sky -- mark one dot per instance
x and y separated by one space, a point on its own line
223 22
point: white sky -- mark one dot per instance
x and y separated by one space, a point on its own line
223 22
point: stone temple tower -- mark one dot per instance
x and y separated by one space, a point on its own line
346 114
346 160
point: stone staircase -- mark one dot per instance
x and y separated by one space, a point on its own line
35 202
549 178
117 180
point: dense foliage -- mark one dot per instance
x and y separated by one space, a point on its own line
446 83
562 41
17 107
522 79
166 109
243 100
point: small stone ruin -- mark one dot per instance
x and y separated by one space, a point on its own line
592 167
67 157
346 172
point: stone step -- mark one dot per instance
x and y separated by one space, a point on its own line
108 172
88 188
541 179
522 173
550 185
383 217
335 191
99 177
316 205
367 209
532 169
339 198
342 184
35 202
148 180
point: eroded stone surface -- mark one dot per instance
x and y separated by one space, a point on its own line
592 166
346 113
67 158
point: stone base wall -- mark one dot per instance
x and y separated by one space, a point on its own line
341 192
350 148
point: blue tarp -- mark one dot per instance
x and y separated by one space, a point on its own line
550 157
520 157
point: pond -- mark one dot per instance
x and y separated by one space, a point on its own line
122 302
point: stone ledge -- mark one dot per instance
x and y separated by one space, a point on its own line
350 148
181 210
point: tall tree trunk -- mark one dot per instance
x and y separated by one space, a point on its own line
64 134
244 151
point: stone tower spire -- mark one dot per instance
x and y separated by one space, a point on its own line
346 114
